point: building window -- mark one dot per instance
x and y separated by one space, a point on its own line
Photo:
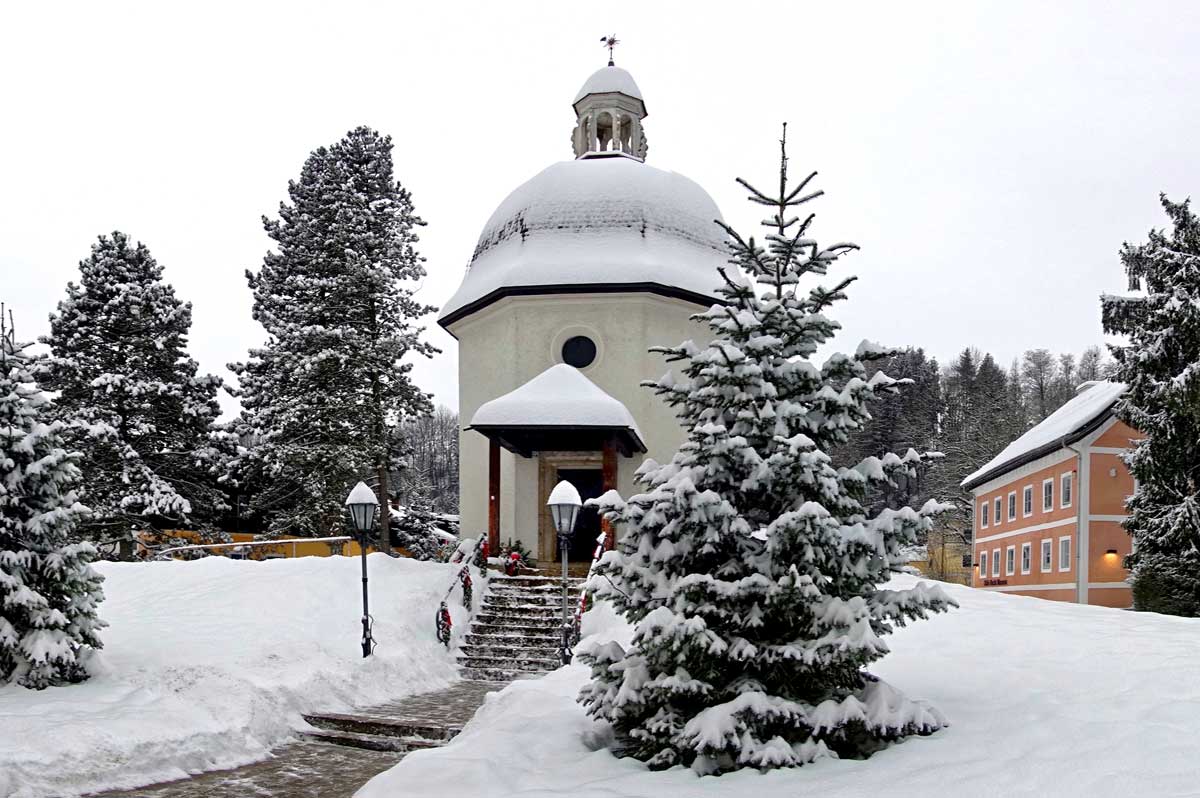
983 514
997 511
1027 501
1026 557
995 562
983 564
1010 561
1047 554
1047 495
1064 553
1012 506
579 351
1068 482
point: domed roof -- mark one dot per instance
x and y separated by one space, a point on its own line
597 224
609 78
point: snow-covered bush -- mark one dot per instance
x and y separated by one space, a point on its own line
419 530
48 591
749 566
1160 367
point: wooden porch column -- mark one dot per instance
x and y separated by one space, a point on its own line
609 476
493 498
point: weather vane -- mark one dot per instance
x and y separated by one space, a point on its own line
610 42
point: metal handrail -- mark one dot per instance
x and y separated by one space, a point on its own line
191 547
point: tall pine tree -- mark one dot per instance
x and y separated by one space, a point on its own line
49 592
1160 364
135 403
336 300
750 567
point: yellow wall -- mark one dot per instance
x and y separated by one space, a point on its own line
304 548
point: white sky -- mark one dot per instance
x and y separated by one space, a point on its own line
989 158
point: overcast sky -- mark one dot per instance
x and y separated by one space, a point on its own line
989 158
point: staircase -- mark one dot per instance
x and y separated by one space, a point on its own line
376 734
516 632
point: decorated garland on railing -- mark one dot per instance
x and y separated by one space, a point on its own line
571 634
477 556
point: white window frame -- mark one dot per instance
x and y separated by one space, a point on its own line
1070 544
1012 505
983 564
984 509
1010 560
1027 501
996 510
1047 506
1047 555
1026 558
995 562
1066 489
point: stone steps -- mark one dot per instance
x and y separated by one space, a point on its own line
376 734
517 630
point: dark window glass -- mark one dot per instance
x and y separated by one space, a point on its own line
579 351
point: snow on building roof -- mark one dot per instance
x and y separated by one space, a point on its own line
558 397
1090 405
603 224
609 79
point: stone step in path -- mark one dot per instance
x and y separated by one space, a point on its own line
517 630
367 743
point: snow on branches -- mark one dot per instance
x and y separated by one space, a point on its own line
49 593
1160 366
749 566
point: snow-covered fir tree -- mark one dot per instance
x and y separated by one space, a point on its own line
749 566
1160 366
49 592
336 300
134 402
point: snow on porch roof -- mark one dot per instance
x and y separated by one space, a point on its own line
559 398
1090 405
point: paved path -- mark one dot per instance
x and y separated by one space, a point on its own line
311 769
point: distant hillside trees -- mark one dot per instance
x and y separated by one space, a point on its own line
131 400
425 460
1161 366
336 299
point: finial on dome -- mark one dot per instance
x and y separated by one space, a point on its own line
610 41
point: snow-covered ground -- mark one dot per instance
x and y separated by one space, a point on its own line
1044 699
208 664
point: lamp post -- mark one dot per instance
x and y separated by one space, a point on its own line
362 505
564 505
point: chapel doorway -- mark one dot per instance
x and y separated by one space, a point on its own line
590 484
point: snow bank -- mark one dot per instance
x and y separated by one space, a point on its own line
1043 699
208 664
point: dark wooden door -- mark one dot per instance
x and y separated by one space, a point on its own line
590 484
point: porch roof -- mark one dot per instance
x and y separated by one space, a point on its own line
558 410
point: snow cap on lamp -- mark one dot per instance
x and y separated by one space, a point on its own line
564 504
362 504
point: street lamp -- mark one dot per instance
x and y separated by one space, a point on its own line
564 505
362 505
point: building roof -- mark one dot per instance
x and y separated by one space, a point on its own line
610 79
595 225
560 400
1087 410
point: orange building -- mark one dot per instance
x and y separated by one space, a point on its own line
1048 509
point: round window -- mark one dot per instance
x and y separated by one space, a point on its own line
579 351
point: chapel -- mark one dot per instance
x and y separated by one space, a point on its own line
577 274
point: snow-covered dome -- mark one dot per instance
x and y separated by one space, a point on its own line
602 223
610 79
